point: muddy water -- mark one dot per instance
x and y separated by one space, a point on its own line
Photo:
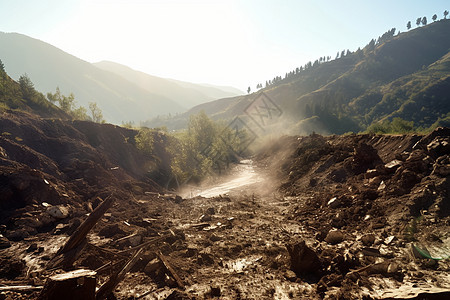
242 175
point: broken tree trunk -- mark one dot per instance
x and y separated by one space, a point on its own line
78 284
67 254
170 269
116 278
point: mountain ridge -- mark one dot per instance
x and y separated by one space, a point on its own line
49 67
184 93
358 89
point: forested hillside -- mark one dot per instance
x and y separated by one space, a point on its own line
402 75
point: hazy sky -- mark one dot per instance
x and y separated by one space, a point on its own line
229 42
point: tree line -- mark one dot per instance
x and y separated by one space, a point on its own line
424 21
65 103
26 91
340 54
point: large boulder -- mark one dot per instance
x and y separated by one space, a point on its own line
304 261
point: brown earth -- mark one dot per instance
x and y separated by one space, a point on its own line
330 218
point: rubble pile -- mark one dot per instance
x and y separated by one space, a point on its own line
371 202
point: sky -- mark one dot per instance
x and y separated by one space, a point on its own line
237 43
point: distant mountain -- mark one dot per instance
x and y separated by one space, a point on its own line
214 91
405 75
184 93
49 67
121 97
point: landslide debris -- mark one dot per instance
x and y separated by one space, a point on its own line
338 217
374 202
53 173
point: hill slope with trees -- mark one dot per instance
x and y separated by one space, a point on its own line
395 76
22 96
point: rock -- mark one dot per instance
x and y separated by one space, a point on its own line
333 202
371 252
442 170
18 234
135 240
11 267
111 230
365 157
46 219
389 239
205 218
190 251
33 247
178 199
372 173
152 266
178 295
290 275
4 242
205 259
385 268
215 291
215 238
393 165
58 212
368 239
32 222
334 237
439 146
304 261
210 211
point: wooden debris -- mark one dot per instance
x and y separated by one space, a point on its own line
78 284
145 244
150 292
67 254
20 288
200 225
109 286
170 270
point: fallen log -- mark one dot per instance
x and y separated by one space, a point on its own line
109 286
67 254
78 284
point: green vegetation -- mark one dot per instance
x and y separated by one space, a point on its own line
205 147
145 140
96 113
68 105
396 126
22 96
